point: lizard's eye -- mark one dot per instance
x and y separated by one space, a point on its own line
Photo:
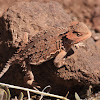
79 34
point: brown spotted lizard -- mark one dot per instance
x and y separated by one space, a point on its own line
54 42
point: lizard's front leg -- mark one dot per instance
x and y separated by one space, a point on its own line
59 60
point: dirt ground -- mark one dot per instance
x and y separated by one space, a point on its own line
82 65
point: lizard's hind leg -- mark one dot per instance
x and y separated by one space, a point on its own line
29 77
4 69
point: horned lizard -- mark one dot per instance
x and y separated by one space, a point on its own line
47 44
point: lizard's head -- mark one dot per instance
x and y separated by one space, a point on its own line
78 31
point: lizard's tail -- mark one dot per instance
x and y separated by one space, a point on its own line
5 69
8 64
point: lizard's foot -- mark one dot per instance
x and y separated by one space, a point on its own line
60 63
29 78
80 44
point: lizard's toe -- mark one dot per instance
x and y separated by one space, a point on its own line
35 86
79 45
60 64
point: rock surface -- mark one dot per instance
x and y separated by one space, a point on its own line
25 20
96 19
83 64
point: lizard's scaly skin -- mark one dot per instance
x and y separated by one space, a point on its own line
42 47
47 44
